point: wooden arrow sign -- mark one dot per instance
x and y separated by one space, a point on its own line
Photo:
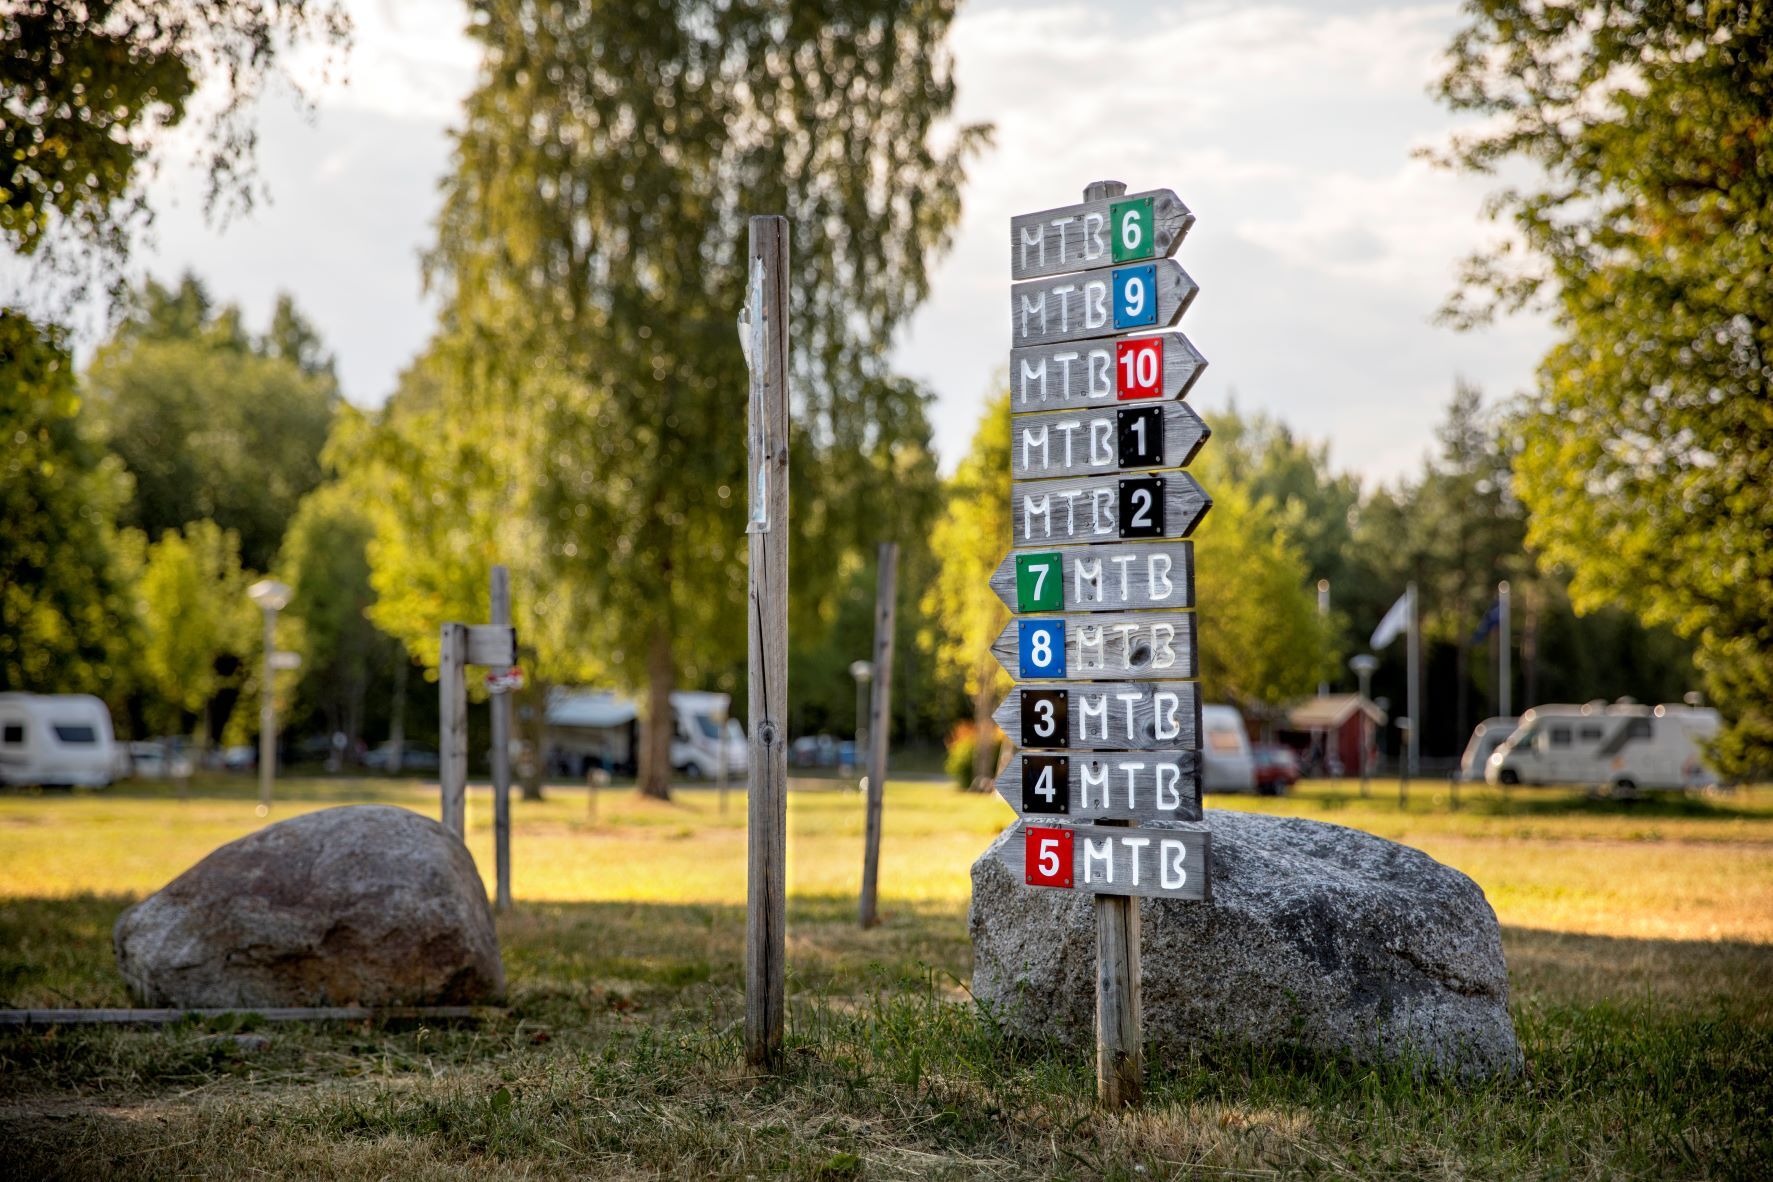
1161 863
1097 578
1161 367
1100 647
1101 303
1103 786
1105 509
1146 225
1119 715
1116 439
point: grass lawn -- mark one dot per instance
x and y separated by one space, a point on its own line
1639 938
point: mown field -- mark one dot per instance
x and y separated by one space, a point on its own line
1639 939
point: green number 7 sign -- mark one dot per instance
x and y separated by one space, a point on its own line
1039 583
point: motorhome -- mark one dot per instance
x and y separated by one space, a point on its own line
589 728
1227 763
1623 747
56 740
1490 734
699 748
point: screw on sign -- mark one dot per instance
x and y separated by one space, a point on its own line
1108 720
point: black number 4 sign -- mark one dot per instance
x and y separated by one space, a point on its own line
1046 784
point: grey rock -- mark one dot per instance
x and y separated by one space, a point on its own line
360 905
1317 937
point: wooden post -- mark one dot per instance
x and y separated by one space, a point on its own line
1120 1039
452 725
501 752
885 597
766 327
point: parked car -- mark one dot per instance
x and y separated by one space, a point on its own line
56 740
239 758
414 757
813 751
160 759
1277 768
1623 748
1225 743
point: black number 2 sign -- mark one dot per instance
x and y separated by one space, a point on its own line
1142 507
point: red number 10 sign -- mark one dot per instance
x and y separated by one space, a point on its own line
1139 368
1047 856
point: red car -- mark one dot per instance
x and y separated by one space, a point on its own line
1277 768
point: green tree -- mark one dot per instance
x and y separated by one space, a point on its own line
962 614
592 254
211 424
91 92
198 627
1648 456
65 620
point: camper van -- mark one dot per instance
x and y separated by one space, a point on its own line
697 745
56 740
1621 747
1228 765
1490 734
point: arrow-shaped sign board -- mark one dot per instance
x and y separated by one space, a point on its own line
1103 786
1101 303
1105 509
1116 439
1162 863
1097 578
1115 715
1102 647
1157 368
1146 225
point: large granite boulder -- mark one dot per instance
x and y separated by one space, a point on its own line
1317 937
361 905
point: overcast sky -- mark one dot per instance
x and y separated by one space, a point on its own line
1322 247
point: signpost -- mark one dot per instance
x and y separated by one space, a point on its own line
1107 778
463 645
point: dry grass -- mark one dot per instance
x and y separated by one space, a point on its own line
1649 1039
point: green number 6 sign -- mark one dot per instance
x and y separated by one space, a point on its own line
1130 225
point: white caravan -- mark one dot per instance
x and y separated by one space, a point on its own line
1490 734
1227 763
56 740
696 742
1622 747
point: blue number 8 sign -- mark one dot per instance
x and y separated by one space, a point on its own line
1135 297
1040 648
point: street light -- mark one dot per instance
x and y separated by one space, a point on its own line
272 597
863 672
1323 617
1363 665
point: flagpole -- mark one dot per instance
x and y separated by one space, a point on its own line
1504 678
1412 686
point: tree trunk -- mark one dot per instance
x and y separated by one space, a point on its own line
984 766
655 750
532 717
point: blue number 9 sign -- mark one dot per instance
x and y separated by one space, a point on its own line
1040 648
1135 297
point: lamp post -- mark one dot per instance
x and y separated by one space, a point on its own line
1363 666
272 597
863 672
1323 619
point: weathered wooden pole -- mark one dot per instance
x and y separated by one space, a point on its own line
501 751
1120 1041
452 725
885 597
764 328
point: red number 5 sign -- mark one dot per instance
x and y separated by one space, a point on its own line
1139 368
1047 856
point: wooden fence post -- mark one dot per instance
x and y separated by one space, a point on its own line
766 323
885 597
501 752
452 715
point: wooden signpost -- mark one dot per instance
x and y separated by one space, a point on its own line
1106 780
463 645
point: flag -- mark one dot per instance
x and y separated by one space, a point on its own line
1488 624
1394 622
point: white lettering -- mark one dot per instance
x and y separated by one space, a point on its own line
1037 303
1125 633
1070 497
1095 775
1132 770
1092 228
1102 441
1169 796
1035 236
1162 655
1095 299
1102 851
1131 700
1042 509
1164 705
1124 561
1039 375
1034 437
1064 306
1064 360
1101 366
1170 855
1086 580
1158 576
1059 224
1089 647
1135 844
1067 430
1085 712
1102 504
